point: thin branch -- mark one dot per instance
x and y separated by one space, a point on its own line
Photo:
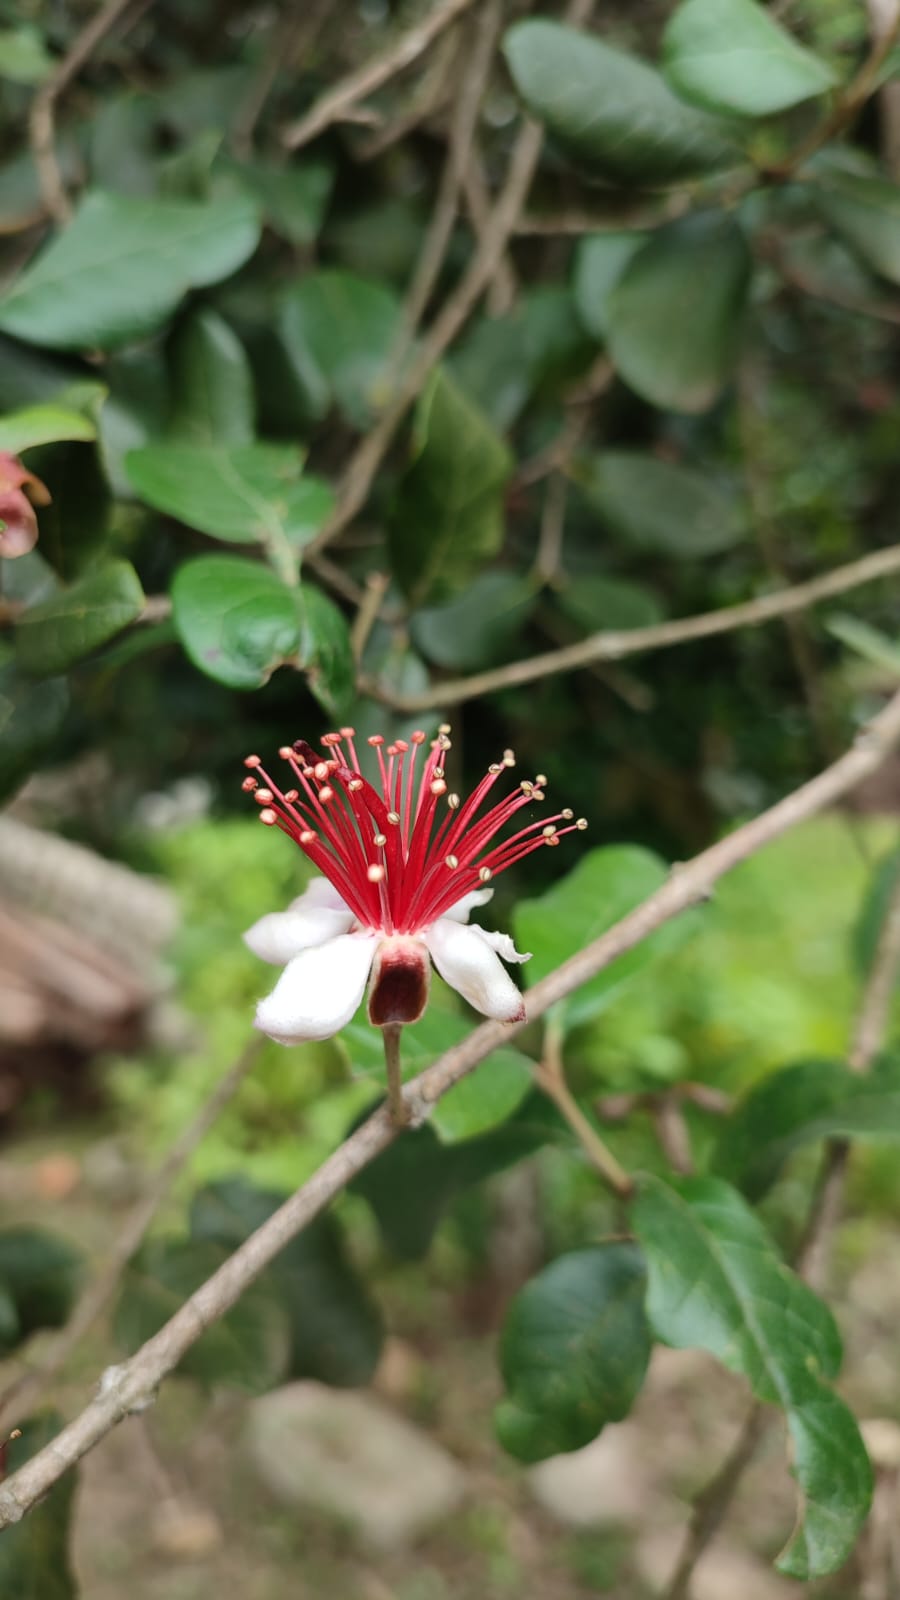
848 103
550 1076
19 1397
504 285
334 104
132 1385
548 560
429 98
291 35
712 1505
42 116
377 585
614 644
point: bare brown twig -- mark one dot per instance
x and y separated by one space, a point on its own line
550 1076
132 1385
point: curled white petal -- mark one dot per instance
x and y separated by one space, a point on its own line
318 991
502 943
319 895
477 897
281 935
465 959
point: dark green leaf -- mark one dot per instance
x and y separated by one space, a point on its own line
732 56
20 430
39 1272
325 652
503 362
31 715
604 886
74 527
136 411
717 1284
483 1100
240 493
479 627
34 1553
245 1349
657 506
574 1351
292 198
10 1332
865 211
236 619
800 1104
600 260
123 143
340 332
122 265
55 634
212 385
610 108
336 1331
600 603
447 520
676 314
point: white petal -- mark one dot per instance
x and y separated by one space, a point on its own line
502 943
319 894
464 958
477 897
281 935
318 991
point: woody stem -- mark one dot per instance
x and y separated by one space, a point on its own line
396 1104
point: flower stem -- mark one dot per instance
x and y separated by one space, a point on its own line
397 1105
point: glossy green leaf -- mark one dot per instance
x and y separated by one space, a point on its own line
483 1100
236 619
658 507
21 430
574 1351
447 519
611 109
212 385
605 885
732 56
40 1273
247 1349
865 211
868 642
239 493
801 1104
34 1553
335 1328
23 55
325 652
58 632
505 362
480 626
716 1283
600 260
122 265
31 715
676 314
600 603
340 332
412 1183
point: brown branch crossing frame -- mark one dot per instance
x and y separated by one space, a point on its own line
132 1385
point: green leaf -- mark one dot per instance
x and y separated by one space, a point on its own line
865 211
483 1100
600 260
292 198
411 1184
676 314
10 1332
732 56
34 1553
447 519
325 652
122 265
39 1273
574 1351
245 1349
600 603
801 1104
606 884
611 109
335 1328
478 627
869 642
656 506
503 362
58 632
212 385
20 430
239 493
340 332
236 619
867 933
23 55
31 715
716 1283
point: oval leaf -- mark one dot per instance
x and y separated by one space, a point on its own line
716 1283
43 425
212 384
58 632
657 506
732 56
865 211
676 313
324 651
600 260
122 265
478 627
574 1351
236 619
611 109
340 332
